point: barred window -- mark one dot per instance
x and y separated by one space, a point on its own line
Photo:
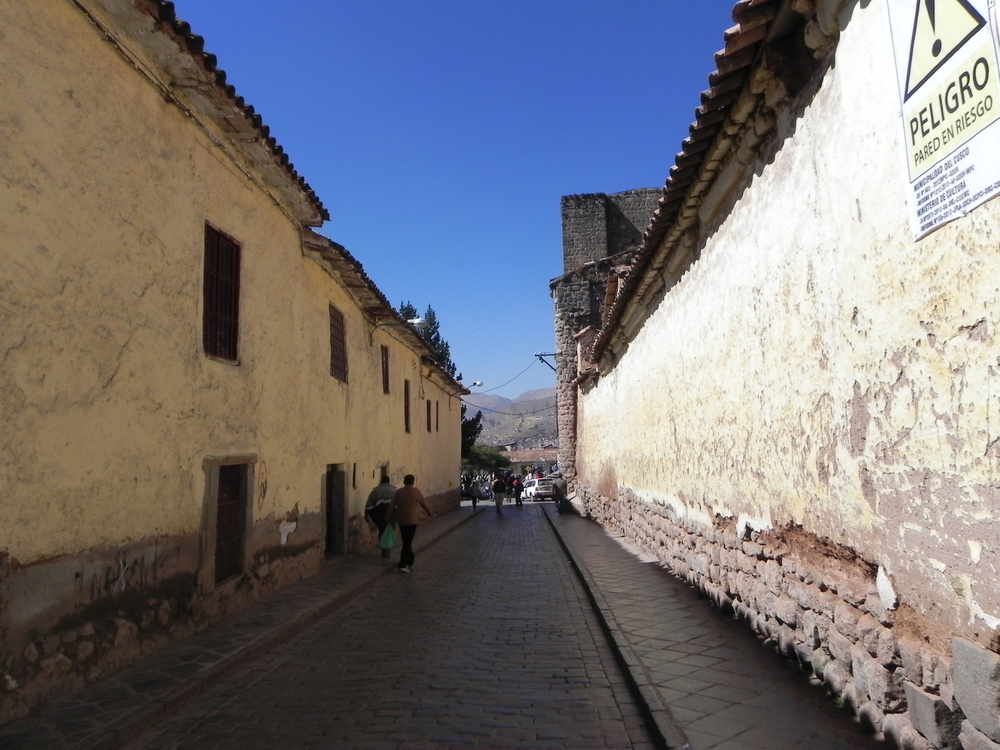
406 405
220 325
338 345
428 416
385 369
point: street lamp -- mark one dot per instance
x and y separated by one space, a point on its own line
418 323
465 390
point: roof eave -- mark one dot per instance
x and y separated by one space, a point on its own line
190 77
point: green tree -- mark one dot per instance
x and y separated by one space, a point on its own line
407 311
484 458
431 334
471 428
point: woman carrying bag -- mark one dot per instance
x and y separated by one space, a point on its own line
376 507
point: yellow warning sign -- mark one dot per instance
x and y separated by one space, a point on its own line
940 28
945 116
946 62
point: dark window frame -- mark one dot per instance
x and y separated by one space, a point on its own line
428 402
385 369
221 296
338 345
406 405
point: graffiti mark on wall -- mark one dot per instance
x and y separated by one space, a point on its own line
262 487
132 572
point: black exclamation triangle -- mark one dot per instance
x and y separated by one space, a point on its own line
936 48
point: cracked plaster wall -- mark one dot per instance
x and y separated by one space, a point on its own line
110 404
818 367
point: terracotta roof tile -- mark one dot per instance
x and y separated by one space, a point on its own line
164 13
742 46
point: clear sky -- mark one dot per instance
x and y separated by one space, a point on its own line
441 134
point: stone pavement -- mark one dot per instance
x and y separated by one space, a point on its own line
708 673
489 642
112 710
507 655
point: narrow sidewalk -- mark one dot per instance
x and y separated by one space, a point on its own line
708 681
108 713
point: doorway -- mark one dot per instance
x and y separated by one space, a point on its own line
336 510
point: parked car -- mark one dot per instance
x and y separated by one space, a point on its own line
538 489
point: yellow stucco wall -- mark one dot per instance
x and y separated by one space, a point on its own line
110 405
817 366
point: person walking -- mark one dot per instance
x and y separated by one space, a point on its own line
560 490
406 504
499 492
518 489
377 505
474 491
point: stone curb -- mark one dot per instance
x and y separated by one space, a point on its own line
129 726
670 733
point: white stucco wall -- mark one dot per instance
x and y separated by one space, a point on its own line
818 367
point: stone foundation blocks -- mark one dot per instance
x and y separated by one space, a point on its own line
840 647
822 601
972 739
883 687
976 675
831 617
932 718
877 640
798 591
910 659
837 677
820 660
804 654
787 610
901 734
846 617
784 637
871 716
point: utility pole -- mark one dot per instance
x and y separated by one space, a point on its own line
541 358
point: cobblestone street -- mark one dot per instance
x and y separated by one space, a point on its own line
489 642
526 630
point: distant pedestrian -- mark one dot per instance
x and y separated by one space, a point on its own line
518 488
405 505
474 491
377 505
499 493
560 490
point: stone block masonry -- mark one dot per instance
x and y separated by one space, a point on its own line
600 232
822 607
128 615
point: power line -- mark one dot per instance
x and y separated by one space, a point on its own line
530 365
510 303
509 413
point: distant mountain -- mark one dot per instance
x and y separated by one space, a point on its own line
538 393
529 419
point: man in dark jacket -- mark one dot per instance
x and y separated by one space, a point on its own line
378 503
560 489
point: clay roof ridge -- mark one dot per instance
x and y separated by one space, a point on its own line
195 45
742 46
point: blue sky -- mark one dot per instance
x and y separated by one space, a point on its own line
441 134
